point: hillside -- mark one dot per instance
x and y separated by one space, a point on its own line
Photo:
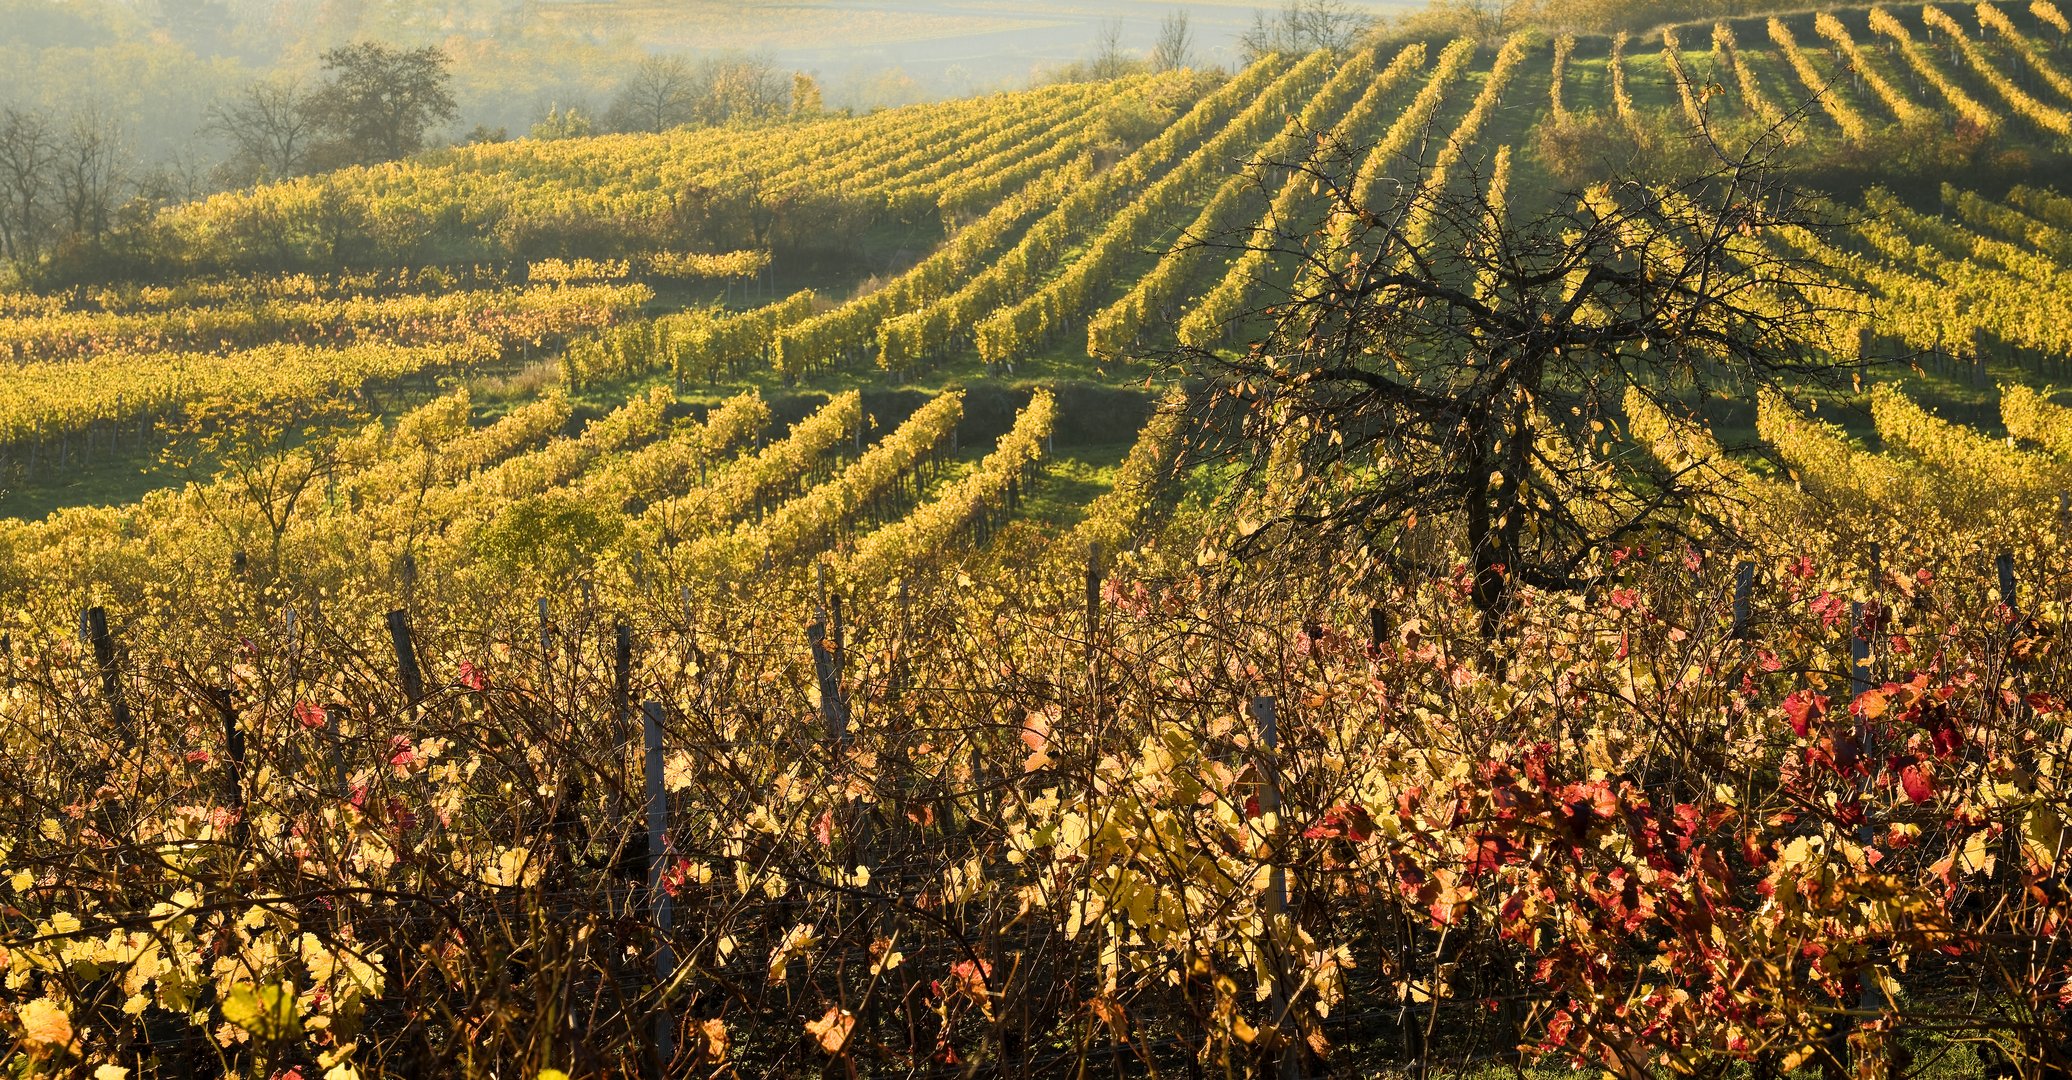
924 245
777 599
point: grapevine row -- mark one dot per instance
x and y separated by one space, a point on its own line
776 470
2054 120
433 446
1984 213
1672 57
1992 18
1727 54
1368 179
1903 108
1497 196
1114 519
824 341
1968 109
1017 330
1969 460
1622 99
906 327
1842 112
1821 457
958 198
798 526
932 526
1465 135
1962 242
668 465
533 316
710 343
2031 418
1729 488
910 178
1301 141
47 400
538 471
1012 311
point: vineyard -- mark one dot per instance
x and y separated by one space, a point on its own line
779 600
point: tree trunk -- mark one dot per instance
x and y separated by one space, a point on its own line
1495 518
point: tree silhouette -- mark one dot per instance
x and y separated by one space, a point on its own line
378 104
1438 366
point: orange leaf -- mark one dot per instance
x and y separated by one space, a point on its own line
832 1031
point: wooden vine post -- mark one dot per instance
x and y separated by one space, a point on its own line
659 908
622 690
406 657
1288 1064
105 660
546 645
225 702
832 711
1093 602
291 632
2004 565
1744 591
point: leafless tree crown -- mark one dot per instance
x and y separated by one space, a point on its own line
1438 368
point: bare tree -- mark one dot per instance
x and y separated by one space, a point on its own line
740 86
1175 42
1440 369
89 172
268 129
1260 38
1109 59
180 176
1492 19
1303 26
662 93
1324 24
28 162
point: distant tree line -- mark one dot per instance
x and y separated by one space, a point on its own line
73 197
381 103
62 182
376 103
1298 26
1173 48
667 92
664 93
1490 20
69 183
1303 26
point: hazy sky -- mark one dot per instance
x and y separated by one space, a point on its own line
979 42
158 65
